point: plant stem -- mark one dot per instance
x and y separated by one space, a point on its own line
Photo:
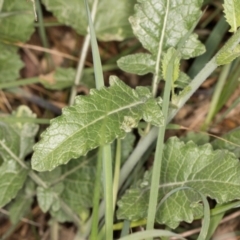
96 197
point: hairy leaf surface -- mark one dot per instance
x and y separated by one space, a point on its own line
215 174
93 121
12 178
232 13
111 22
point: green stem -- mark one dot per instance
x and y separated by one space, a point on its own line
116 171
159 151
96 197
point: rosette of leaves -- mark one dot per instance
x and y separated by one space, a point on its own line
93 121
160 25
216 174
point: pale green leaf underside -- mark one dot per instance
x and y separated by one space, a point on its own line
109 24
232 13
213 173
93 121
12 178
139 63
147 24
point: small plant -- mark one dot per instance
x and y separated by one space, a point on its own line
94 134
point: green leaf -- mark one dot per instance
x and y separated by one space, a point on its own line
17 27
79 183
93 121
139 63
19 137
148 21
215 174
20 207
12 178
22 203
10 63
198 138
182 81
46 196
109 25
167 58
232 13
227 56
229 142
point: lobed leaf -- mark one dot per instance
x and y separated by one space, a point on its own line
93 121
232 13
109 25
215 174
